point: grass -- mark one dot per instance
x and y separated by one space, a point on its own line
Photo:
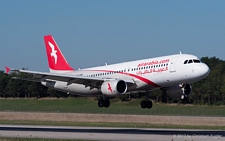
88 105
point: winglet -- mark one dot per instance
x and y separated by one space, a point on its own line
7 69
56 60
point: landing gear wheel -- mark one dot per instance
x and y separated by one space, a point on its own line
143 104
106 103
185 99
182 96
103 103
146 104
149 104
100 103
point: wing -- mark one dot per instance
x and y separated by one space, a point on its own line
69 78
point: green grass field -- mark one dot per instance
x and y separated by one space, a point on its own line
89 105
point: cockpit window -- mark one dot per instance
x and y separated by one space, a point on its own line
196 61
190 61
185 62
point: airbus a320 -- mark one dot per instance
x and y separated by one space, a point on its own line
173 74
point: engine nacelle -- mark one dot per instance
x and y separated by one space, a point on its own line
179 91
50 84
114 87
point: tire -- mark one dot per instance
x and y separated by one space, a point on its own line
149 104
106 103
100 103
143 104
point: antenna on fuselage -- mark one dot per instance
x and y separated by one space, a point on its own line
180 52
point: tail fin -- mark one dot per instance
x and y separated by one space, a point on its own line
56 60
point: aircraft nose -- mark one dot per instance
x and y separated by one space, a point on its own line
203 70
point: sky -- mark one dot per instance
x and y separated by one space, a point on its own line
94 32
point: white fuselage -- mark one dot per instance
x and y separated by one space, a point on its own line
147 74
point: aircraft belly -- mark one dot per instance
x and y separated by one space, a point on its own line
83 90
78 89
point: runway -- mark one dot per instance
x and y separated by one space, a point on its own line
112 134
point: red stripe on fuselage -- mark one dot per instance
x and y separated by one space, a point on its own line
149 82
144 80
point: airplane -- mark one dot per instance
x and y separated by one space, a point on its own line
172 73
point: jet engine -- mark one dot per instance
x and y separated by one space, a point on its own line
114 87
179 91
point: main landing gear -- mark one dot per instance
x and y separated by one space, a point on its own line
146 103
103 103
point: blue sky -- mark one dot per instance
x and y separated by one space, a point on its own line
92 32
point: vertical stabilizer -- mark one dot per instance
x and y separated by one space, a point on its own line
56 60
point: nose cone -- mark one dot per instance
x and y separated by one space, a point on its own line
203 70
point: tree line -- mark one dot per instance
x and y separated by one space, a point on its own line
210 91
13 88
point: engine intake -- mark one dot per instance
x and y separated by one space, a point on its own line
114 87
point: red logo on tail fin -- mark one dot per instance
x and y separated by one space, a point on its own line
53 53
56 60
